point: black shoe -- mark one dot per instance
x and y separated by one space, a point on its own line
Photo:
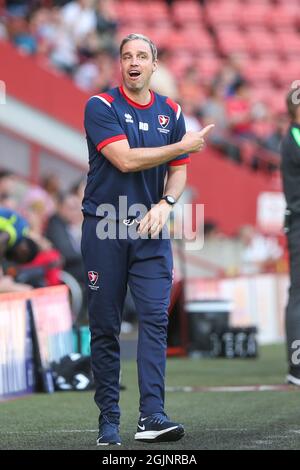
158 428
108 433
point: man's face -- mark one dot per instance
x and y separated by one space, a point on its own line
137 64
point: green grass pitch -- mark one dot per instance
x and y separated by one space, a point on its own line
213 420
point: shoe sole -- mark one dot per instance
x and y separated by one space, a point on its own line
290 379
108 443
167 435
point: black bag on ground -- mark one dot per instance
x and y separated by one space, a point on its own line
73 372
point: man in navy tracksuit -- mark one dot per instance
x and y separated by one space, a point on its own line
138 151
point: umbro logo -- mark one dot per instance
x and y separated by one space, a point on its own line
128 118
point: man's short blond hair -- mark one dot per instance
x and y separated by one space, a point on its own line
133 37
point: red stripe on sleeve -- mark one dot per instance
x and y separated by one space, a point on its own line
110 140
107 97
182 161
172 104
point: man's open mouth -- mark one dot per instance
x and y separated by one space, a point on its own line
134 73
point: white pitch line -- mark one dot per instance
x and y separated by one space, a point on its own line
53 431
234 388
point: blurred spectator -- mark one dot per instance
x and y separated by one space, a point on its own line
89 47
190 88
106 23
64 231
7 196
15 244
3 30
63 47
37 207
273 141
95 76
78 188
44 29
211 230
7 284
213 110
44 269
18 7
191 122
239 110
51 184
79 18
21 36
259 253
229 74
163 81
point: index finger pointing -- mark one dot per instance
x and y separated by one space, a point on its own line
206 129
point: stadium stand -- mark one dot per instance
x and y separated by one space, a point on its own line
261 35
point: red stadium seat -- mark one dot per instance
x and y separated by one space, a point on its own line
273 97
253 14
130 11
232 41
260 70
288 43
260 41
288 73
276 101
268 3
195 41
161 36
223 13
148 13
179 64
283 15
208 66
156 12
187 12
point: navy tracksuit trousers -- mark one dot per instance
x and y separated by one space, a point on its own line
146 266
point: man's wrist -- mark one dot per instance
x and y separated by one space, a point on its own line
165 206
169 200
181 148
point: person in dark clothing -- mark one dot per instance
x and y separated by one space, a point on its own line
64 232
15 244
290 169
138 151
